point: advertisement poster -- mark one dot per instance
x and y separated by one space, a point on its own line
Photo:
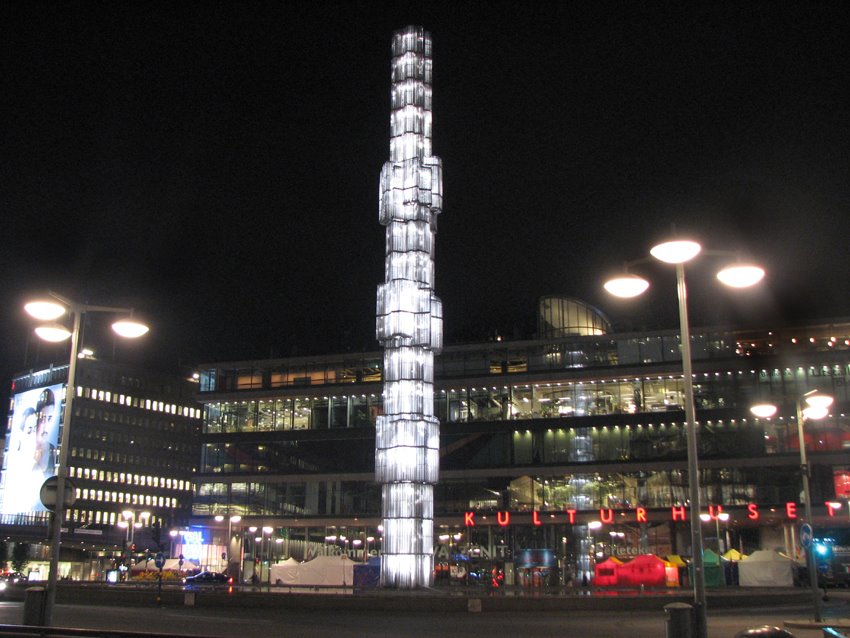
32 454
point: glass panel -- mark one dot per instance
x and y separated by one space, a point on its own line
265 418
339 412
360 412
319 418
283 414
301 415
458 406
522 441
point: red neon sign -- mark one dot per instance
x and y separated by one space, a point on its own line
641 515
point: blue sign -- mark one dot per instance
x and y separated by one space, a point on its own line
159 560
806 535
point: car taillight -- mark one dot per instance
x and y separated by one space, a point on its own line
230 580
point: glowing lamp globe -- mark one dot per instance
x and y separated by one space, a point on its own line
626 286
53 332
44 310
676 252
818 400
129 328
764 410
815 413
741 275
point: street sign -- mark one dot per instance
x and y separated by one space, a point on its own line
806 534
159 560
47 493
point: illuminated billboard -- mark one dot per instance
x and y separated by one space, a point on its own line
32 444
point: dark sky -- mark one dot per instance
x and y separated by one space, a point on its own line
215 165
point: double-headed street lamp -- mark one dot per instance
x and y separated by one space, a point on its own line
130 524
720 516
229 547
737 275
817 407
50 309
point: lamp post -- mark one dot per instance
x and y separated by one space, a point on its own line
738 275
720 516
230 521
267 531
130 524
172 539
817 407
49 309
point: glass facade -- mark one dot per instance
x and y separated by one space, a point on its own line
531 431
545 431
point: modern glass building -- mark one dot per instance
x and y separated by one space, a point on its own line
538 439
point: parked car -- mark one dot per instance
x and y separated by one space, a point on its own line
207 579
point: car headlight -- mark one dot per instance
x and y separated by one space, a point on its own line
2 585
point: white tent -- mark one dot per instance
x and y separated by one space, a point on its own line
766 568
333 571
285 572
171 565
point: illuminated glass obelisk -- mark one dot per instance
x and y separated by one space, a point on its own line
409 321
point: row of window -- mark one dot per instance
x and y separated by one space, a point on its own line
136 402
149 462
129 437
128 478
658 440
545 400
101 517
130 419
522 357
106 496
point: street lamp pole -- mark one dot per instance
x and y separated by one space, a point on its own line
61 474
230 520
737 275
818 407
693 456
807 496
51 309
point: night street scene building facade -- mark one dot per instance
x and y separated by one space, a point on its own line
530 460
133 450
554 452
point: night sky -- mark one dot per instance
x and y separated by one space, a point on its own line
215 165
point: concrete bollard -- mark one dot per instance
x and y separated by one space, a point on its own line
35 602
679 622
473 605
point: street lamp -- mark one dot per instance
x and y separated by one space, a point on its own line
720 516
269 531
50 309
173 533
130 524
737 275
230 521
817 407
